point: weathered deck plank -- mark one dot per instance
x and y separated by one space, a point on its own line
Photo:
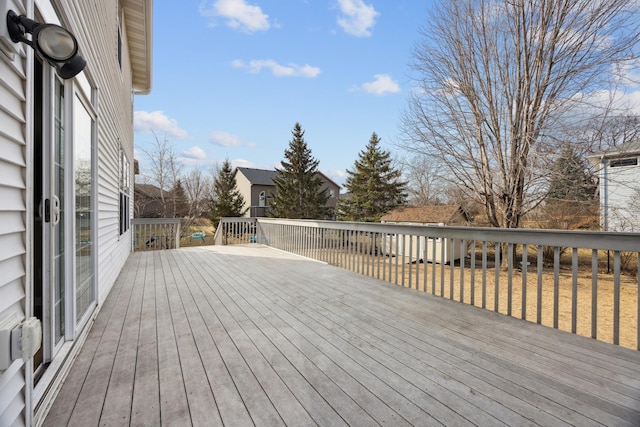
250 335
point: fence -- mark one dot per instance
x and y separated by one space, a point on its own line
150 234
570 280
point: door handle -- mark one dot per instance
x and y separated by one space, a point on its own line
55 210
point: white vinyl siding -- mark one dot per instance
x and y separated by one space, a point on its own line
97 23
13 237
621 188
108 83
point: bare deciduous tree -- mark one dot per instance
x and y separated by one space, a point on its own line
198 188
426 186
497 82
163 171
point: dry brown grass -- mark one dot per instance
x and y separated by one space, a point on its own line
202 225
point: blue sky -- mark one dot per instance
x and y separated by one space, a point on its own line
232 77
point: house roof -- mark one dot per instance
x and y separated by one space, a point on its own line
329 180
425 214
265 177
148 190
139 25
628 148
258 176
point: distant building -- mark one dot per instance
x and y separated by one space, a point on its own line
619 187
148 202
435 249
256 186
436 214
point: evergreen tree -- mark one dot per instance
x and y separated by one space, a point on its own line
180 206
571 180
227 200
298 186
375 185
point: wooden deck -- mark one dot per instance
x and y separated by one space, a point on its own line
247 335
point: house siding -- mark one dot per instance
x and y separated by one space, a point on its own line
619 186
244 187
13 231
95 26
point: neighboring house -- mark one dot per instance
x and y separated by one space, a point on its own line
415 249
148 202
256 186
437 214
66 168
619 187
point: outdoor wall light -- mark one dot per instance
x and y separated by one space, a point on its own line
53 43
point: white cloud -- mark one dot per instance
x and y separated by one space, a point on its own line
382 84
239 15
157 122
194 152
242 163
290 70
357 18
225 139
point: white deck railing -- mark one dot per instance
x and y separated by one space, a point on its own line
584 282
150 234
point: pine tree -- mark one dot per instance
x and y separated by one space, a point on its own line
180 206
227 200
570 179
298 186
374 185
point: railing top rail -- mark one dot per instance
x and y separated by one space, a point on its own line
237 219
143 221
562 238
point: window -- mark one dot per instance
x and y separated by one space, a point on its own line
125 177
630 161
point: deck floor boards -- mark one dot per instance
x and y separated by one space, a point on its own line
247 335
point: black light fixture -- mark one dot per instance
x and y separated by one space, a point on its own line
52 43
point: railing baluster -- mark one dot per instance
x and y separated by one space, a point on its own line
443 248
484 274
452 263
616 297
404 253
574 291
539 284
463 253
594 293
556 284
417 262
524 264
410 260
425 265
433 266
397 257
509 278
472 279
496 284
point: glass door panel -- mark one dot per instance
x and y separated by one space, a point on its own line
84 233
57 213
